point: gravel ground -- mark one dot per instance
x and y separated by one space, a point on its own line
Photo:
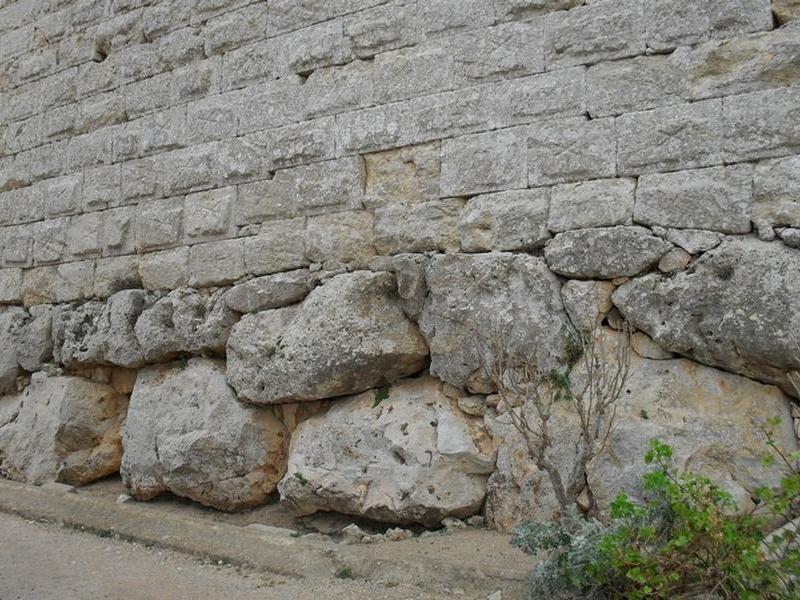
40 561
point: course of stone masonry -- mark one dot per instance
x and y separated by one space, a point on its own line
250 247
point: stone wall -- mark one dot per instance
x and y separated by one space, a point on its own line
257 245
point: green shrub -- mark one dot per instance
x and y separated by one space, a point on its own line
686 540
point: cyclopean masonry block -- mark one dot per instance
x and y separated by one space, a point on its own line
63 429
347 336
187 433
719 311
403 454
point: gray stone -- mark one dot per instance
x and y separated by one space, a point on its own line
507 10
605 253
347 336
407 175
63 283
185 322
735 308
207 214
786 10
600 203
427 227
279 246
483 162
216 263
66 429
101 333
776 192
340 238
743 64
114 274
694 241
635 84
675 260
11 320
645 347
478 301
678 137
790 237
408 457
716 199
594 33
505 221
587 302
409 272
159 224
271 291
10 286
673 23
165 270
762 124
571 150
187 433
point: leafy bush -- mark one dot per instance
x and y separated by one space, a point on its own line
687 540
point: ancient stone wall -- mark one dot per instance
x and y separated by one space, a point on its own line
258 245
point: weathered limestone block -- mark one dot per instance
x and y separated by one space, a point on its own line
187 433
476 302
710 417
776 192
101 333
716 199
340 238
408 175
505 221
165 270
216 263
694 241
762 124
483 162
347 336
185 321
600 203
114 274
786 10
62 283
500 52
409 272
65 429
685 136
593 33
672 23
571 150
640 83
736 308
11 319
403 455
270 291
427 227
10 285
279 246
605 253
587 302
742 64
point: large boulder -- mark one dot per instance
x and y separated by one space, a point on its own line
25 342
185 321
102 333
737 307
711 418
271 291
348 336
11 319
605 253
403 455
65 429
479 302
187 433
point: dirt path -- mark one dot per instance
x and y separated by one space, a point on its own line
39 562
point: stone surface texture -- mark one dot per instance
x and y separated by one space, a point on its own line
403 455
295 203
187 433
65 429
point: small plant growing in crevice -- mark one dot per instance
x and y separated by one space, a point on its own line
381 394
345 572
529 394
686 540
